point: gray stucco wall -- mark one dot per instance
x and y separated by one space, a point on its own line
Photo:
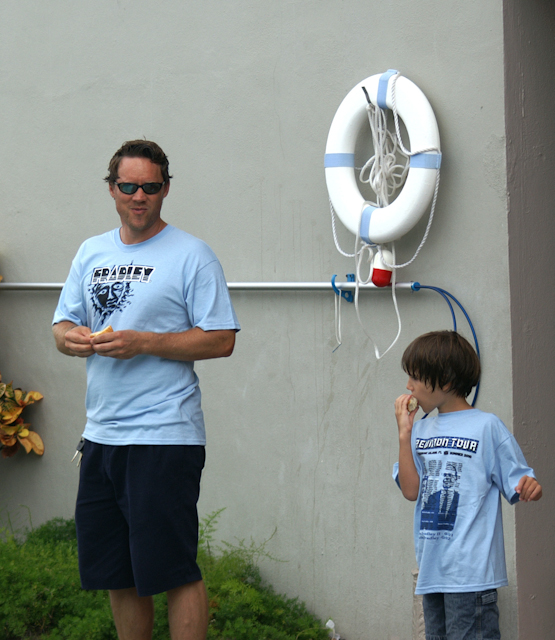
241 95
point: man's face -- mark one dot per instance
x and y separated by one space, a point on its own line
449 479
139 212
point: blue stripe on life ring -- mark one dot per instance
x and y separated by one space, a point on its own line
426 161
339 160
382 87
365 223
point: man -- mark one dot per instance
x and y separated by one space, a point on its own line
164 293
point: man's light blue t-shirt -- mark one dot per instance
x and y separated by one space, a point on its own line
167 284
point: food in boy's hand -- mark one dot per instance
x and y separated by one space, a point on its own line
413 403
108 329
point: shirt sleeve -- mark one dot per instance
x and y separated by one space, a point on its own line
510 465
208 301
395 474
71 304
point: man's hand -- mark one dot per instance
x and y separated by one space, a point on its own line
78 342
72 339
529 489
122 345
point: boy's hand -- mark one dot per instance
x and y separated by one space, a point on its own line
529 489
405 418
409 480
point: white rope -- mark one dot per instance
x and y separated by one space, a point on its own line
359 255
337 297
337 320
395 305
332 211
385 174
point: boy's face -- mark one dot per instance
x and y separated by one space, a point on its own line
429 400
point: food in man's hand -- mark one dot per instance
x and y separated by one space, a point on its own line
413 403
108 329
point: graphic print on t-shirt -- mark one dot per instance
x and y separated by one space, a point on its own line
110 287
441 477
440 498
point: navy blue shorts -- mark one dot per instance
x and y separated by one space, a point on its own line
136 516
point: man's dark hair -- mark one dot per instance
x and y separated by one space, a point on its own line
443 359
139 149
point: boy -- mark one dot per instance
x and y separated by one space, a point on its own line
456 465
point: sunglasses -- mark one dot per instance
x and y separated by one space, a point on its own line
150 188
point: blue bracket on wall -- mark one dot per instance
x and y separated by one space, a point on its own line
348 295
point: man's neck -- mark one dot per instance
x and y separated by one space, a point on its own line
128 236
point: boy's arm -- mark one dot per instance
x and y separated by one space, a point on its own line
529 489
409 480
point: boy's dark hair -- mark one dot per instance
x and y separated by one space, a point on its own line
139 149
443 359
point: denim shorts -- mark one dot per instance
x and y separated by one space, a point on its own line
461 616
136 516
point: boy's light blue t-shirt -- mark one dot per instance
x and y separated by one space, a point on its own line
167 284
466 460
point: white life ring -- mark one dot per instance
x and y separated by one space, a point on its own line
386 224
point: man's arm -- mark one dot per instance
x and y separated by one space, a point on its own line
72 339
409 480
190 345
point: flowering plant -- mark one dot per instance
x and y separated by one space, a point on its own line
13 431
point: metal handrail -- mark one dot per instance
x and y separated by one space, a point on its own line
232 286
22 286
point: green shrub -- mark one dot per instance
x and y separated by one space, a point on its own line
53 531
42 597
